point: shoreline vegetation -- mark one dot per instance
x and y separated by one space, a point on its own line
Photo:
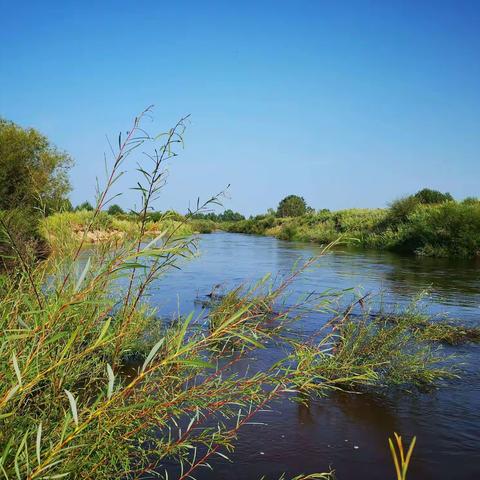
443 229
62 227
95 385
446 228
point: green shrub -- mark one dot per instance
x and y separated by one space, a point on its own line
449 229
87 206
400 210
20 239
471 201
287 232
202 226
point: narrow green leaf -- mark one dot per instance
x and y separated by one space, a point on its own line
249 340
82 276
111 381
183 330
155 240
17 369
196 363
152 353
73 406
105 327
39 442
12 392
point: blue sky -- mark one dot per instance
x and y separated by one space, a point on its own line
350 104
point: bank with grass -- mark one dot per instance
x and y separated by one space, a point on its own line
447 229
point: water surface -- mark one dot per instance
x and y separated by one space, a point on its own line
347 432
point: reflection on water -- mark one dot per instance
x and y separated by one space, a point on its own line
347 432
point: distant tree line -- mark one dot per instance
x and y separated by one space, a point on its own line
226 216
114 209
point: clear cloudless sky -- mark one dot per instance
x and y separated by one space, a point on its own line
350 104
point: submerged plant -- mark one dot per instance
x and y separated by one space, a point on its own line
360 353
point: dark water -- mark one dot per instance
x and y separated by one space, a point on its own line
347 432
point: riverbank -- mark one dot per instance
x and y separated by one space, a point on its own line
450 229
63 227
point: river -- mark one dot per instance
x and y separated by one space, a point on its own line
347 432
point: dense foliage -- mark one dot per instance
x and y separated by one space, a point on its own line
85 206
429 196
33 182
115 209
33 173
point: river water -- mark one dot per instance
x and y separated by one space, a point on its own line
347 432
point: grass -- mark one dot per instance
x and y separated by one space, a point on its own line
401 459
72 401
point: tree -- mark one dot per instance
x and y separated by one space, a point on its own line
471 201
115 209
230 216
85 206
429 196
292 206
33 172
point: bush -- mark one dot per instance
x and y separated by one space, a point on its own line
287 232
400 209
87 206
19 238
471 201
448 229
230 216
202 226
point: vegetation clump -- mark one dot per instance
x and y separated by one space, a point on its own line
33 172
367 353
